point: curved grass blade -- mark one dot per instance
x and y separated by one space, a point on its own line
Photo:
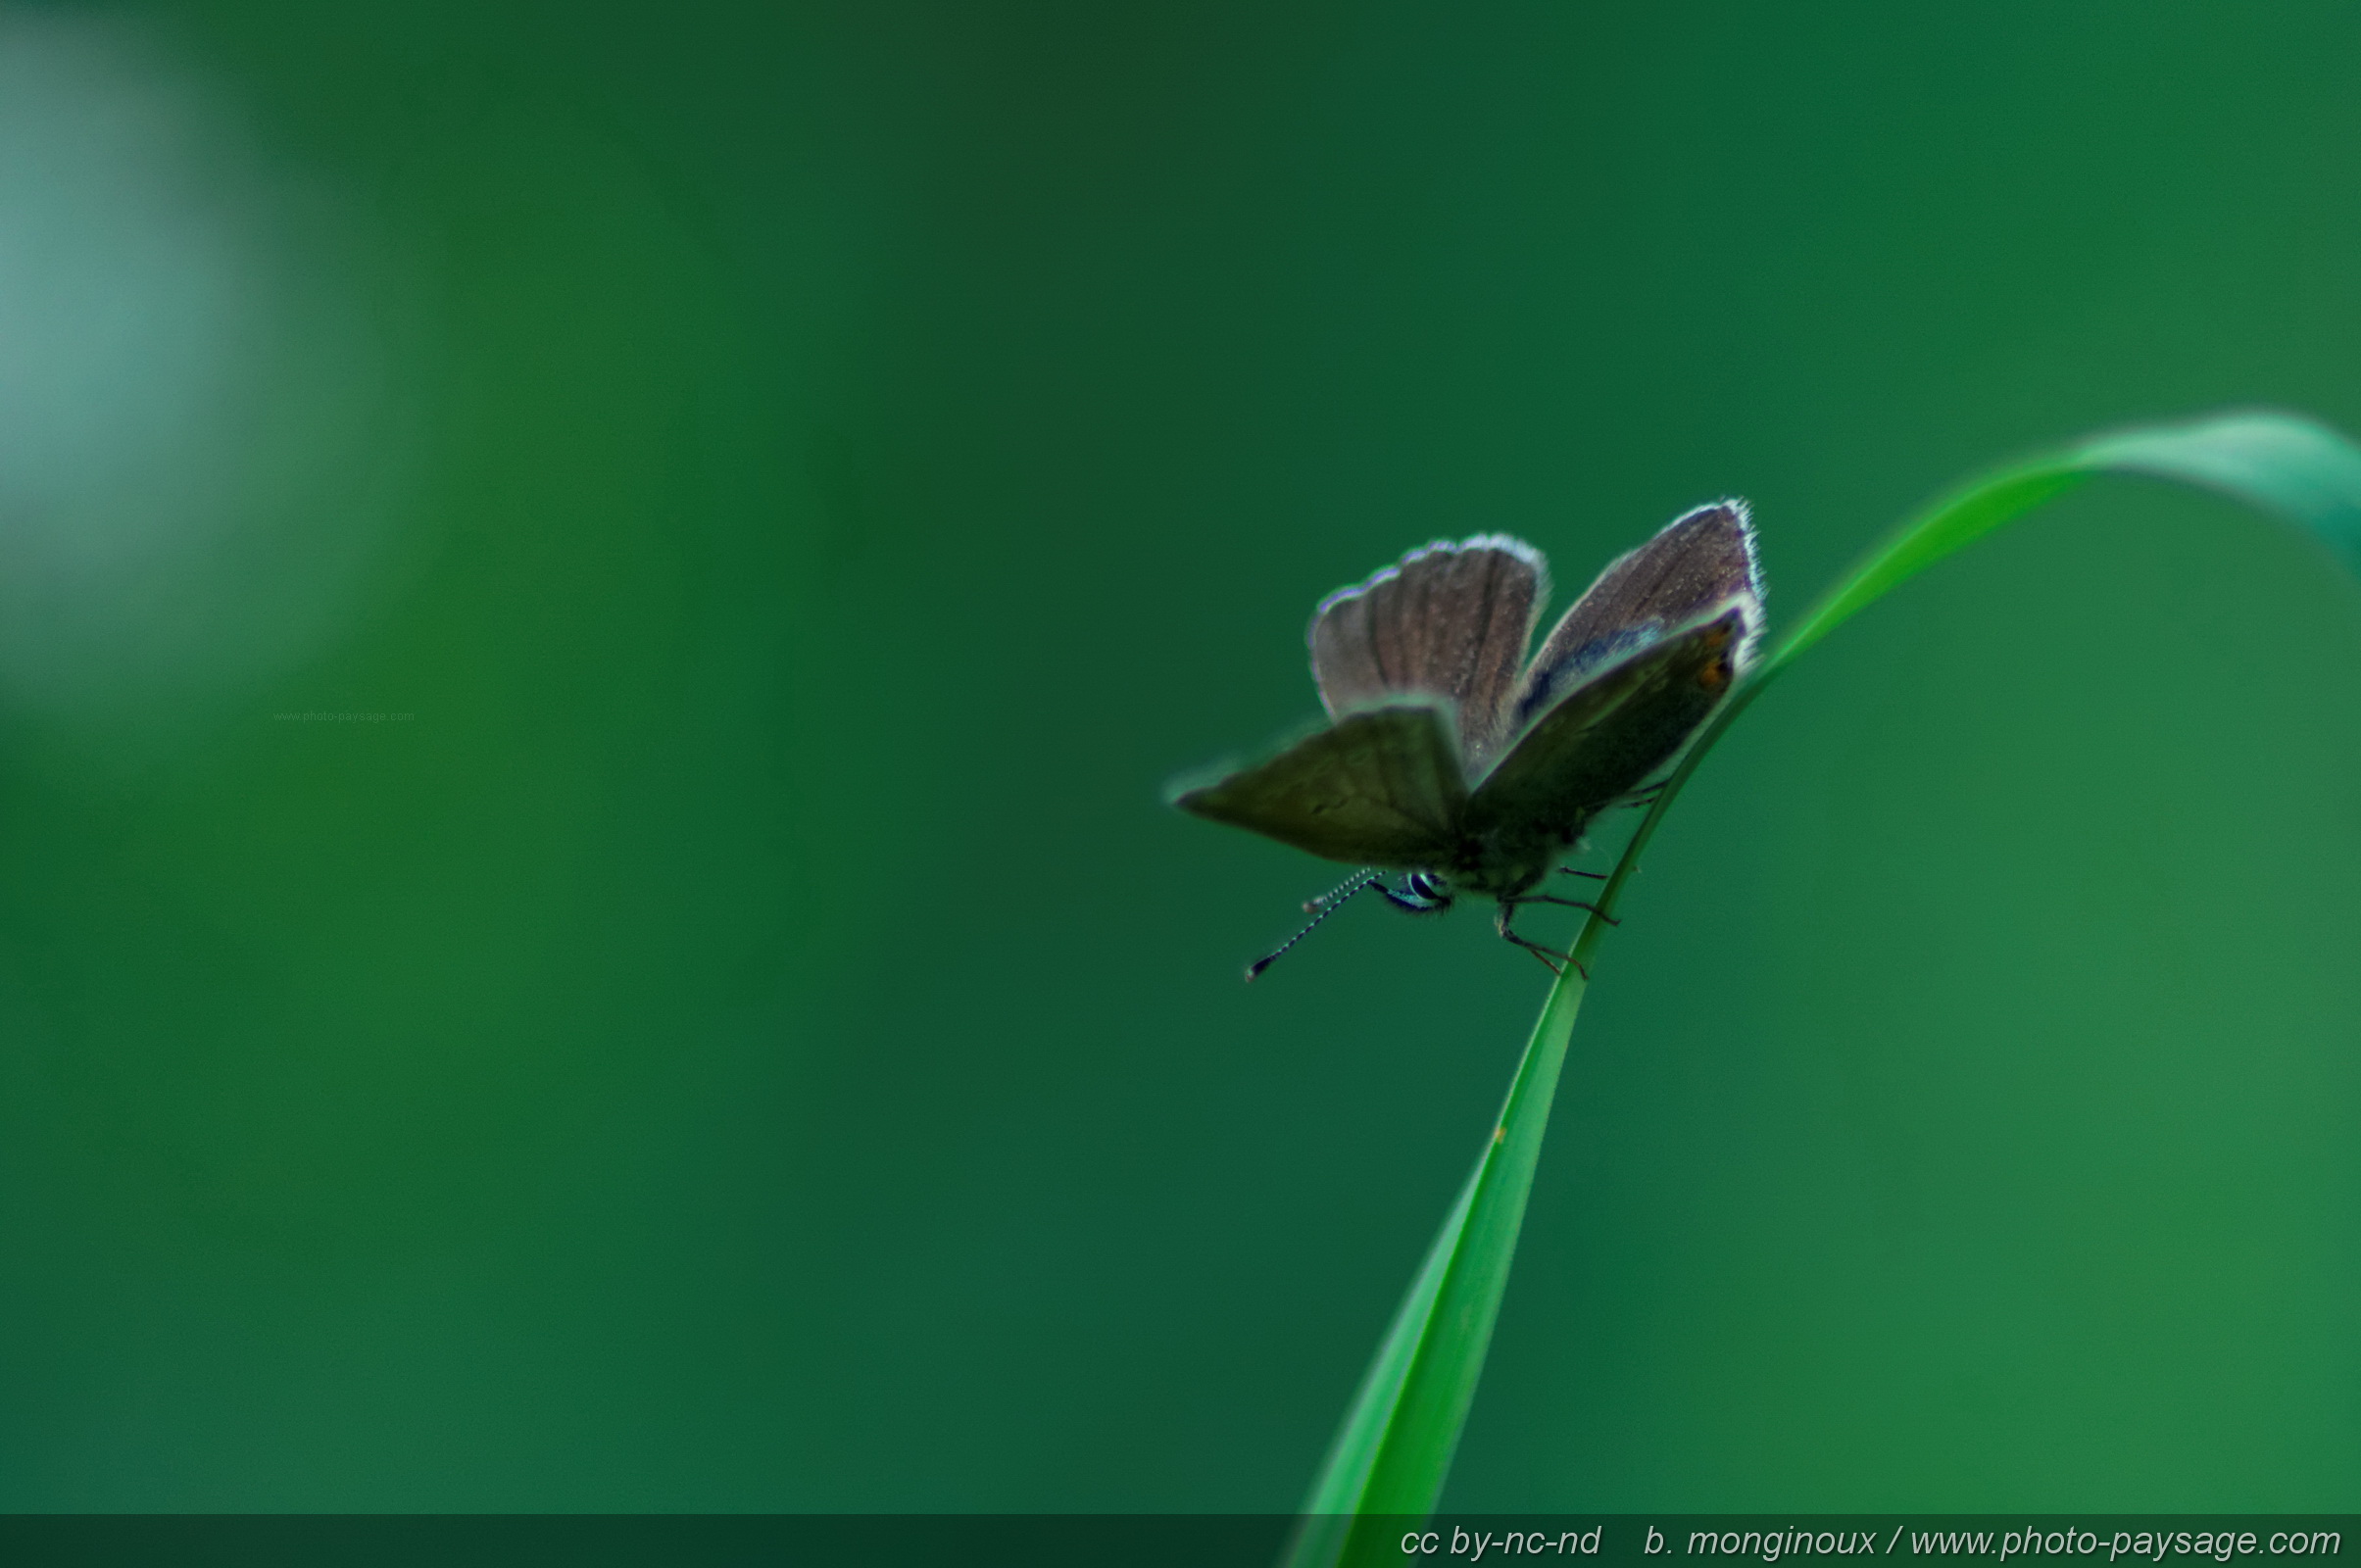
1394 1447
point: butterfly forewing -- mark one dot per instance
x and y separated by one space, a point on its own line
1700 562
1605 737
1452 620
1381 787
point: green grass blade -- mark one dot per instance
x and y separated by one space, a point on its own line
1394 1447
2306 471
1396 1444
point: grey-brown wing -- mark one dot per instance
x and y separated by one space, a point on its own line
1451 620
1381 787
1606 736
1700 560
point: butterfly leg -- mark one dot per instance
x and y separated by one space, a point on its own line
1596 876
1570 903
1551 957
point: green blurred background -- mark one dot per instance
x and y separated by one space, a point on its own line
739 1030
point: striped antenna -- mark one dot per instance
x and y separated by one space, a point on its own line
1319 909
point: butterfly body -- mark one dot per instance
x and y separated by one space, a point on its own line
1450 756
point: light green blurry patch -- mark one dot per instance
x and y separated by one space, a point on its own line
201 435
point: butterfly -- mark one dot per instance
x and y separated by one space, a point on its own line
1450 757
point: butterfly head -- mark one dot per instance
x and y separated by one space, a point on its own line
1420 893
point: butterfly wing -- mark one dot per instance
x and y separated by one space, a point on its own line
1451 620
1384 786
1608 733
1700 562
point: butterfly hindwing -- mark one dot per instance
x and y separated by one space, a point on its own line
1700 560
1606 735
1384 786
1451 620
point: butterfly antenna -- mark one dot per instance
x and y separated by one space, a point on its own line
1341 892
1319 909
